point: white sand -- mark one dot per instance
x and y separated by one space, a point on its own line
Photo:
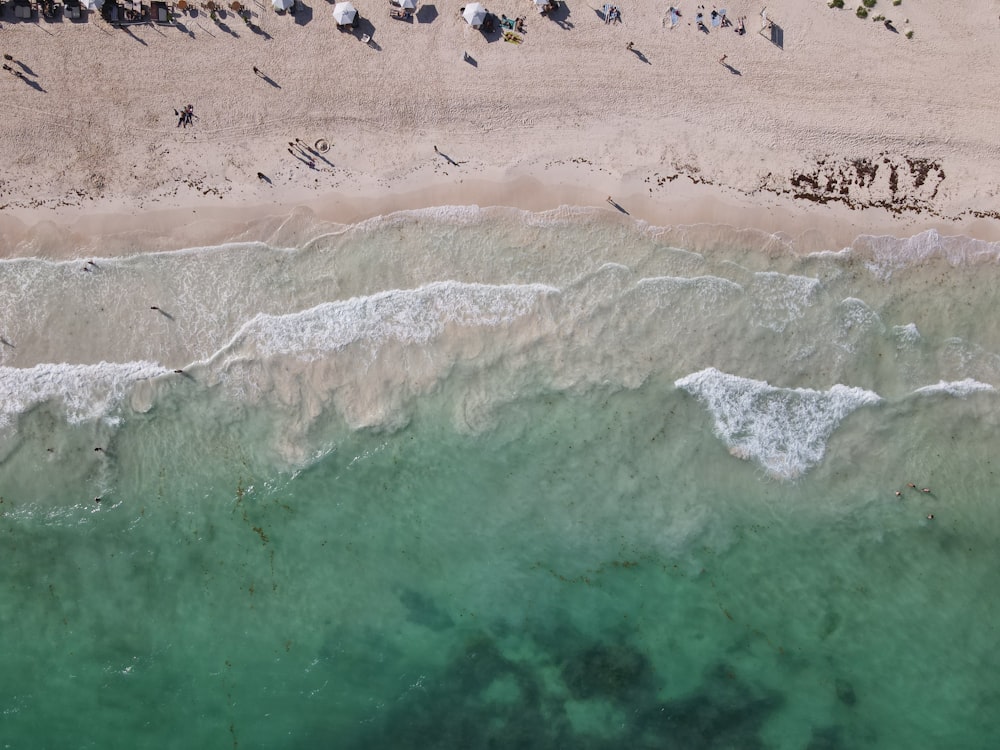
569 116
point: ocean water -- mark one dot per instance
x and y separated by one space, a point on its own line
467 478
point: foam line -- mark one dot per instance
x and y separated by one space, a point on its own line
957 388
86 391
885 255
409 316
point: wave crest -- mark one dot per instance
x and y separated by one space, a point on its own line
784 429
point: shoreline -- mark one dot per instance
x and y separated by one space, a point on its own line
73 232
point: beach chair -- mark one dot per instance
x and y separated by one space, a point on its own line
772 31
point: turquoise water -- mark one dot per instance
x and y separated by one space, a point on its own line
462 478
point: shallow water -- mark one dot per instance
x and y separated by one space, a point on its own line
466 478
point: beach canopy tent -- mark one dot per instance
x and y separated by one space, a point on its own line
282 5
408 4
93 4
344 13
474 14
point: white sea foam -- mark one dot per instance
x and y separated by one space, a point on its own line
784 429
959 388
885 255
86 392
454 215
779 299
907 335
711 292
410 316
856 323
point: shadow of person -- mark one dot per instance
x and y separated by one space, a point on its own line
731 69
641 57
447 158
34 84
164 313
128 31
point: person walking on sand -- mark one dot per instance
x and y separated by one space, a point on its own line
722 60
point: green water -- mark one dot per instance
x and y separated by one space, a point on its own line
493 480
596 571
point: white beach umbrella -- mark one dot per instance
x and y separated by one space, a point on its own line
344 13
408 4
93 4
541 3
282 4
474 14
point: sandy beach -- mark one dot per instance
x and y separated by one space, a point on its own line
848 127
